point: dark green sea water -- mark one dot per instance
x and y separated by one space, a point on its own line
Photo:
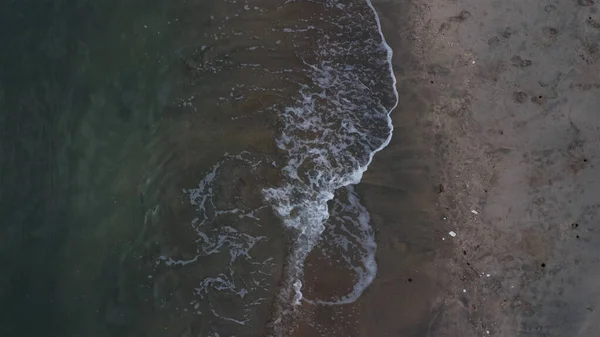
86 92
109 111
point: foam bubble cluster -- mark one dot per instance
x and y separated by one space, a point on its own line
338 122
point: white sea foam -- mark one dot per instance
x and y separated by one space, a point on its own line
350 238
330 137
241 278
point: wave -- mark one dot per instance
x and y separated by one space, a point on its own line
331 128
330 135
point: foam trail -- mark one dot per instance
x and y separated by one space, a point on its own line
224 229
350 234
331 138
390 54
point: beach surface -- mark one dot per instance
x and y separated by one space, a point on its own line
486 202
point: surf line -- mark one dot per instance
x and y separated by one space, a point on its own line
308 235
369 265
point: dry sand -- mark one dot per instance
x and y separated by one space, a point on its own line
497 139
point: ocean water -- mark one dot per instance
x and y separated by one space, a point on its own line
168 167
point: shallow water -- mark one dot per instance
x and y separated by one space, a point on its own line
167 167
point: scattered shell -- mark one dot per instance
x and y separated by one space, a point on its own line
452 234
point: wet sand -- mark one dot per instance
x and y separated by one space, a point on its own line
497 140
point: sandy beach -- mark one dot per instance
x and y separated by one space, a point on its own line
496 140
485 202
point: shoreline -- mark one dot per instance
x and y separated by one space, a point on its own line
495 141
400 191
395 184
